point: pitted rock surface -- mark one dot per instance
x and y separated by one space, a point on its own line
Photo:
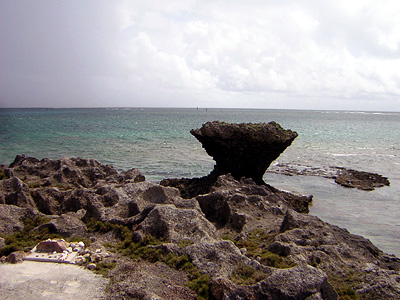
244 150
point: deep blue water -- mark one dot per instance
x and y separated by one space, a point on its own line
158 142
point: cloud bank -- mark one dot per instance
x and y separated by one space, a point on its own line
256 54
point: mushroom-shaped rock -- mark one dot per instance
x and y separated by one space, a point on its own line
244 150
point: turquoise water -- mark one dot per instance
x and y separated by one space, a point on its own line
158 142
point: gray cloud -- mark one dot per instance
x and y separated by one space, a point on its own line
330 55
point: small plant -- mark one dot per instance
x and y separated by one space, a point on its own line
275 260
2 174
104 267
256 244
201 286
246 275
34 184
184 243
63 186
27 238
343 285
147 250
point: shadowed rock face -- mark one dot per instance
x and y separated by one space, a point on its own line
244 150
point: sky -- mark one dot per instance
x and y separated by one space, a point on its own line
310 54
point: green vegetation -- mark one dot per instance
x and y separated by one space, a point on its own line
344 285
185 243
246 275
256 244
2 174
34 184
104 267
148 249
58 185
27 238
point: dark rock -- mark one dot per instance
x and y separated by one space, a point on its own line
12 218
361 180
264 228
142 280
191 187
295 284
345 177
66 225
67 173
15 257
279 248
173 224
218 258
244 150
15 192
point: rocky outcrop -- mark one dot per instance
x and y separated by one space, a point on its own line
244 240
12 218
366 181
143 280
361 180
243 150
66 225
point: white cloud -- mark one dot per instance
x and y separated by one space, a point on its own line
216 53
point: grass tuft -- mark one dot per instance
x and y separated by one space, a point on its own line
256 244
246 275
27 238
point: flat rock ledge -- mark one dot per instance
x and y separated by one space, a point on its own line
245 240
349 178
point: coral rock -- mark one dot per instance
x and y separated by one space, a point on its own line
244 150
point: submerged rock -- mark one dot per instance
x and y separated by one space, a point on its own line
361 180
244 150
345 177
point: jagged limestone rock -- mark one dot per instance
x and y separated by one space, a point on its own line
243 150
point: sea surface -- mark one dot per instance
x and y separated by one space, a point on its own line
157 141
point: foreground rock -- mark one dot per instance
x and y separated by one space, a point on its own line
245 241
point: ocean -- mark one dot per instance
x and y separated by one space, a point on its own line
157 141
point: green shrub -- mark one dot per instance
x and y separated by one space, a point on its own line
2 174
343 285
246 275
256 243
201 286
147 250
104 267
27 238
274 260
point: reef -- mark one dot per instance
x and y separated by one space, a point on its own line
345 177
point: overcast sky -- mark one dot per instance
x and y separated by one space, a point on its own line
339 54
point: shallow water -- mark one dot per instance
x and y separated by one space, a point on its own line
157 141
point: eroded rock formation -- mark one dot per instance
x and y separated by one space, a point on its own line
243 150
245 240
